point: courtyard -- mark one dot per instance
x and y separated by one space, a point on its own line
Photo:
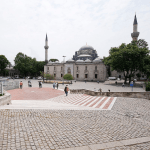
44 118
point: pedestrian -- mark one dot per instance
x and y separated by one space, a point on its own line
116 82
54 85
123 85
98 82
21 85
57 85
41 84
66 90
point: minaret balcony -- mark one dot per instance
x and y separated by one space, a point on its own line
135 34
46 47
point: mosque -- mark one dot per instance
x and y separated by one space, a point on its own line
85 64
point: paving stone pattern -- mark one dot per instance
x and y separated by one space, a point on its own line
86 100
58 129
34 93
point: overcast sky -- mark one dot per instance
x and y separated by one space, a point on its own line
69 24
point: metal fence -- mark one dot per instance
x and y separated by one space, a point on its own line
11 85
1 88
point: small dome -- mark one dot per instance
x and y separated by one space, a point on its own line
98 59
80 60
87 60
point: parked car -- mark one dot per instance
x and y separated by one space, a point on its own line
8 77
112 78
28 77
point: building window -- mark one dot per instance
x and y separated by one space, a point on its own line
54 68
86 75
96 68
77 75
95 76
47 68
54 75
61 75
61 68
85 67
77 68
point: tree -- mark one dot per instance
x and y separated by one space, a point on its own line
138 75
68 77
3 64
53 60
23 63
48 76
127 58
40 66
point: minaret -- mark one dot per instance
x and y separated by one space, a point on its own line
46 49
135 33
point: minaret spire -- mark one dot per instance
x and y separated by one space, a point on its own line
46 48
135 33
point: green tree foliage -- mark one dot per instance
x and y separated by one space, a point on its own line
3 64
28 66
138 75
48 76
53 60
147 86
68 77
127 58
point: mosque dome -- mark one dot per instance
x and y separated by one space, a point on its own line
87 60
86 47
98 59
80 60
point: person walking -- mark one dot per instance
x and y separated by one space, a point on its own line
57 85
40 84
66 90
54 85
21 85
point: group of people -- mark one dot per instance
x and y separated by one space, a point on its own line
66 89
55 85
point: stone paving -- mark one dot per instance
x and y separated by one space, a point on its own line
34 93
125 127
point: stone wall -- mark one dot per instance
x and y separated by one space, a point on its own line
11 85
6 99
145 95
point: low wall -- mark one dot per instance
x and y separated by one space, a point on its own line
11 85
145 95
6 99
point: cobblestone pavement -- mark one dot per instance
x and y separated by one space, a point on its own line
59 129
86 100
34 93
90 86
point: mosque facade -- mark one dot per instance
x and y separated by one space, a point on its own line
85 64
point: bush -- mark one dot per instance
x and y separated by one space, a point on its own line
1 94
68 77
147 86
49 76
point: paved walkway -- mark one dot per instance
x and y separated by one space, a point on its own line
40 119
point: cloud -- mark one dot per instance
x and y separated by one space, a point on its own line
69 25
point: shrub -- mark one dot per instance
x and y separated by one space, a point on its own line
68 77
147 86
49 76
1 94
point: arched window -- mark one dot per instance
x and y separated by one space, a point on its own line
85 67
95 67
77 68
